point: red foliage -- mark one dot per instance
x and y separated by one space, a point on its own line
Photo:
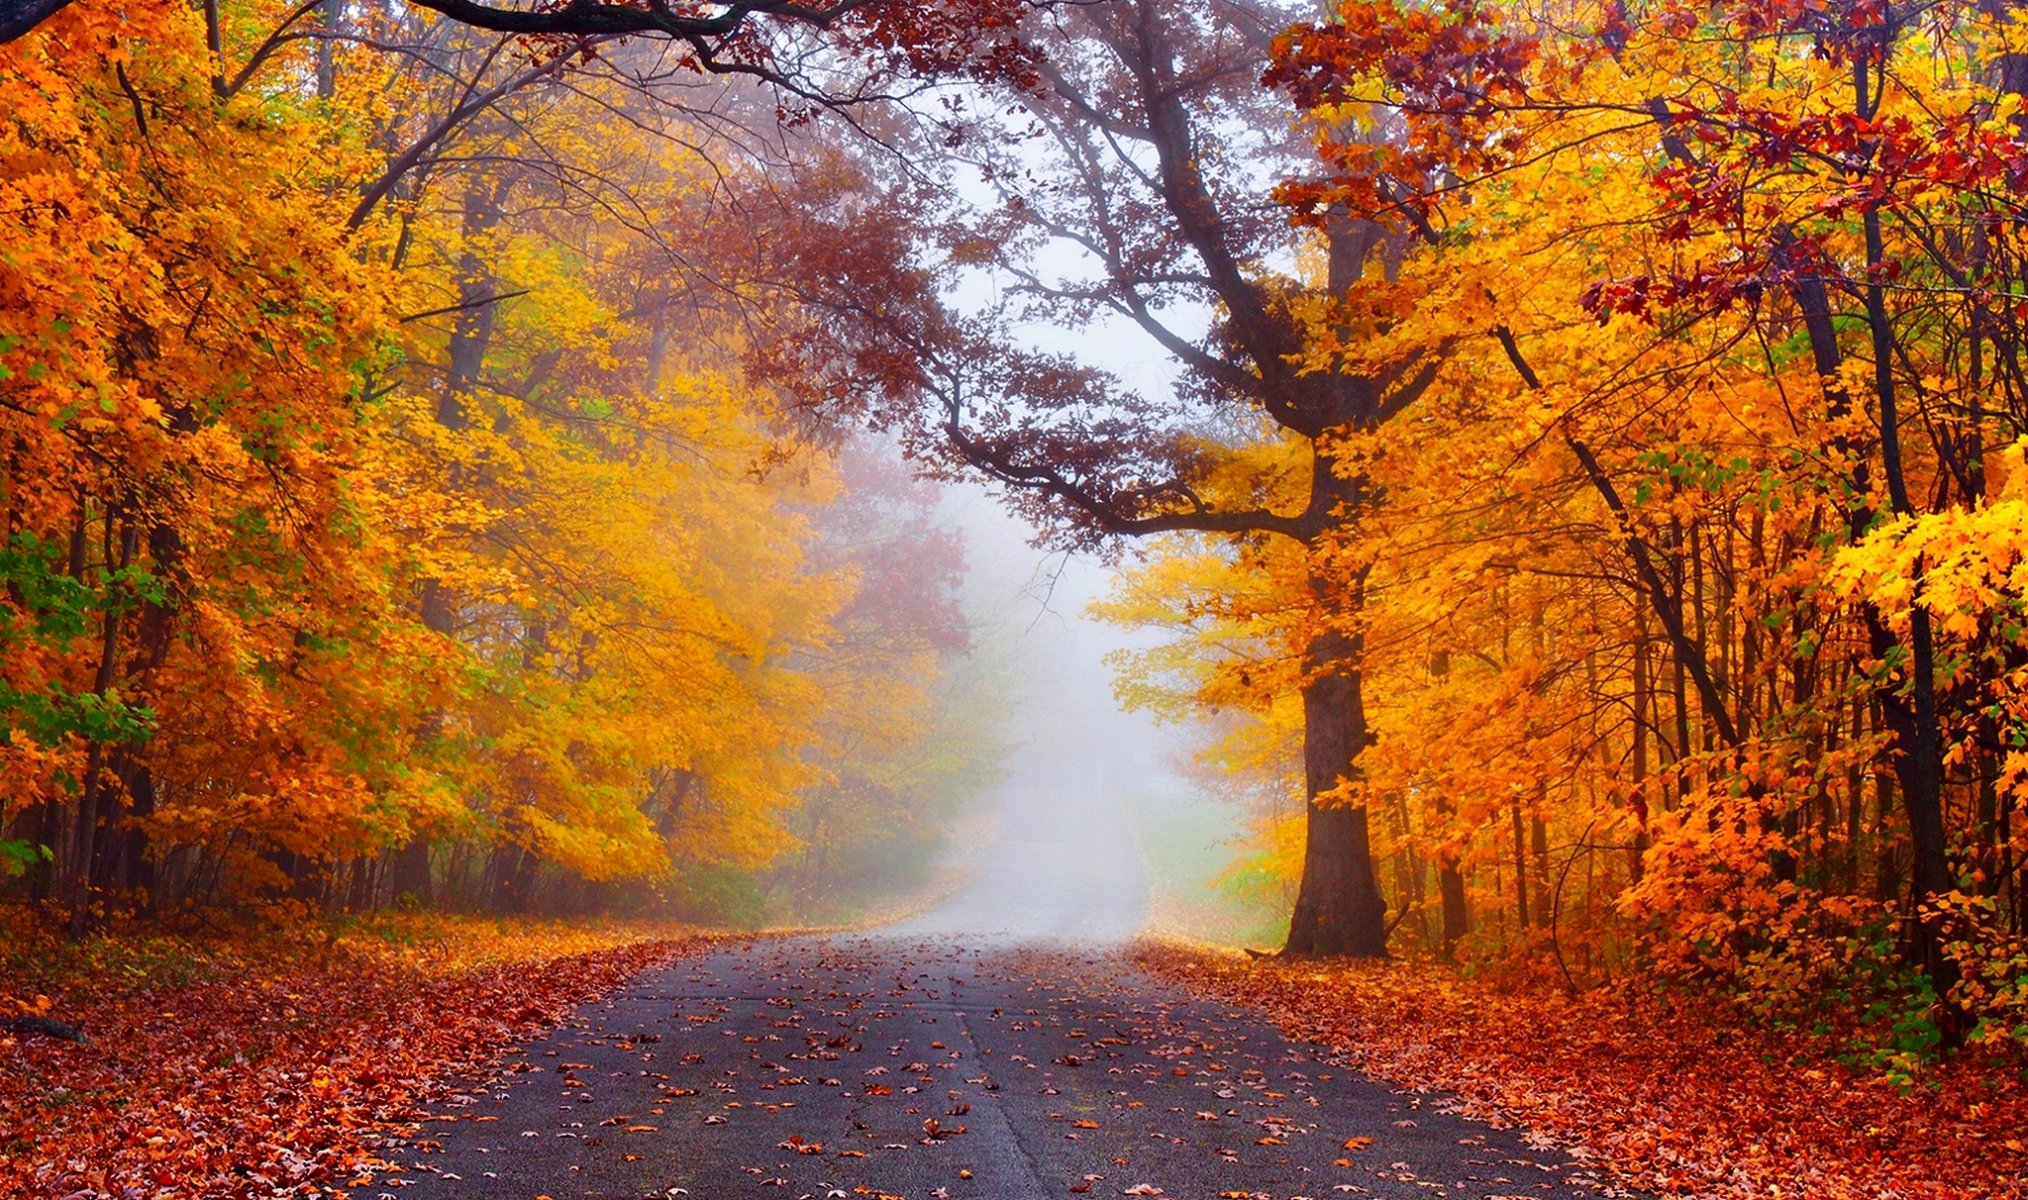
1676 1098
1449 72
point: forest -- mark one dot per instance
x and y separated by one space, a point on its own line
389 518
469 463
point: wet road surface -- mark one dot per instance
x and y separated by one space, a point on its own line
992 1048
872 1066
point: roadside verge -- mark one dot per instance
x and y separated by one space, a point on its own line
1677 1099
261 1063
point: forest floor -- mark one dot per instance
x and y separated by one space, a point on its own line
251 1062
242 1063
1681 1097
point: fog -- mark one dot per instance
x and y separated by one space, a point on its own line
1055 852
1064 850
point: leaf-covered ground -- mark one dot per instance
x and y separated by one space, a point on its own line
252 1065
1680 1100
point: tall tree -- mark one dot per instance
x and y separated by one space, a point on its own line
1796 275
1134 142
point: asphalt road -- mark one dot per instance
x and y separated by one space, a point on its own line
992 1049
921 1068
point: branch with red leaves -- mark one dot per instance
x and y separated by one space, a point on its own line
894 37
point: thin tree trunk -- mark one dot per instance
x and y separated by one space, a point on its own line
1538 844
1451 887
1644 704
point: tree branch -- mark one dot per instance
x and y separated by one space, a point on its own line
593 18
1037 476
1662 599
19 16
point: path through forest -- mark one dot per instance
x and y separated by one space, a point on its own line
993 1047
924 1067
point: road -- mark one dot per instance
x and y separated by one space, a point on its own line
993 1048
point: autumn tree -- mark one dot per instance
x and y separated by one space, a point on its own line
617 510
1136 137
176 372
381 492
1722 289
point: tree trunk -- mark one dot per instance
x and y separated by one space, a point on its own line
1538 845
1644 704
1339 909
1886 854
332 13
1913 719
412 871
83 841
1450 878
138 870
1457 919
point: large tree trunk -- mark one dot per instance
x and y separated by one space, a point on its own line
1339 909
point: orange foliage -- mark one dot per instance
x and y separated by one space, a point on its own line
382 512
1689 590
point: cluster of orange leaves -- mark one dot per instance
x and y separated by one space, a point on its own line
268 1064
1675 1095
